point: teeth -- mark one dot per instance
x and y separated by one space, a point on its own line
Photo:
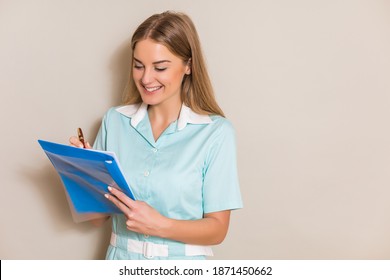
152 89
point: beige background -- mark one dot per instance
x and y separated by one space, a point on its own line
306 84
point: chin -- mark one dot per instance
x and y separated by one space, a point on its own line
150 101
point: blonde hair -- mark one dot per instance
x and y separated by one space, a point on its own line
177 32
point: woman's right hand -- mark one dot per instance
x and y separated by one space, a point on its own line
74 141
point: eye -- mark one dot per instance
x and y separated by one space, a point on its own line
138 66
160 69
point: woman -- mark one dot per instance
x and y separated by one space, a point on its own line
175 146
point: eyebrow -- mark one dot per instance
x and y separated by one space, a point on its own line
156 62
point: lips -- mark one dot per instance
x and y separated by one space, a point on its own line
152 89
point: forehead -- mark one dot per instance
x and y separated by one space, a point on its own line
148 50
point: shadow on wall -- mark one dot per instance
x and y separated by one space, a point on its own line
119 66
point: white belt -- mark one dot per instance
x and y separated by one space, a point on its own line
150 249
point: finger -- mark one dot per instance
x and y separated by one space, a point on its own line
118 204
74 141
87 145
122 197
130 225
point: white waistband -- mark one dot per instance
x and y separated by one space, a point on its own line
150 249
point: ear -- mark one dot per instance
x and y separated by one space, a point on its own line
188 67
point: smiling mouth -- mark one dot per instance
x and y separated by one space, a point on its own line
152 89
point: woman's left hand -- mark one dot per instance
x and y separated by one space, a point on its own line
141 217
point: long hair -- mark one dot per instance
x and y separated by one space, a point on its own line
177 32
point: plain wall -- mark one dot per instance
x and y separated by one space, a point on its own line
305 83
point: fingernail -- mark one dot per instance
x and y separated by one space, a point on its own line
106 195
109 188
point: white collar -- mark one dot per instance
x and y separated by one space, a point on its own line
138 111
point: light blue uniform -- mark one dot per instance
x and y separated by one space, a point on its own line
189 171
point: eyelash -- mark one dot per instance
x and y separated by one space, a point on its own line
157 69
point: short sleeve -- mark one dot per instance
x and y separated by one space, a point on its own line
221 189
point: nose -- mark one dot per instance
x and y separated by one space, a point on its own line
147 77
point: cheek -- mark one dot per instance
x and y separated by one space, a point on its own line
137 75
165 78
173 78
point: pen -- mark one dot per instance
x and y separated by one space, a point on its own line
81 136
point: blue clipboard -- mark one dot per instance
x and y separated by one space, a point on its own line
86 174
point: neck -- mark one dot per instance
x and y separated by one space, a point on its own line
164 114
161 117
